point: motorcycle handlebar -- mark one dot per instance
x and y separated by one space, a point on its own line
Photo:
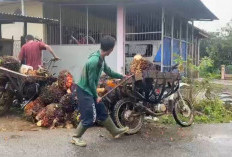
52 60
174 67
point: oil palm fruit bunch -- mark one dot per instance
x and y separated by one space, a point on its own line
51 94
139 64
33 108
67 103
10 63
65 80
51 116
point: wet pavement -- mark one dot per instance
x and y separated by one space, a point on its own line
206 140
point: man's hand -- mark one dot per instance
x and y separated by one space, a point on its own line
56 58
52 52
126 76
99 99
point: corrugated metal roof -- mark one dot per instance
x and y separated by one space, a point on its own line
200 33
190 9
11 18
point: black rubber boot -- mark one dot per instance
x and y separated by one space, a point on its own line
77 140
113 129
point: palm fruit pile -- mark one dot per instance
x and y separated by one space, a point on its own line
106 84
51 94
39 72
139 64
10 63
66 102
50 116
65 80
33 108
55 105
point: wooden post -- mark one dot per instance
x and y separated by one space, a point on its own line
25 29
223 72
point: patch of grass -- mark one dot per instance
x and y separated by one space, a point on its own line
208 111
167 119
212 111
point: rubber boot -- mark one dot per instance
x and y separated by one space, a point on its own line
77 140
111 127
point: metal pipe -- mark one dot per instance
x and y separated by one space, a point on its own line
192 38
172 40
22 7
145 33
60 25
0 31
147 110
187 38
25 29
87 24
198 55
162 40
180 38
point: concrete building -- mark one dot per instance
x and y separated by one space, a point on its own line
158 29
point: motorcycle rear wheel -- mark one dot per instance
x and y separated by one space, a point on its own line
125 115
183 117
6 99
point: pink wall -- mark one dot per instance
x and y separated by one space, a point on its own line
120 39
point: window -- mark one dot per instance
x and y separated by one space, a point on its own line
81 24
144 49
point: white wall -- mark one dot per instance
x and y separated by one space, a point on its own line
74 57
16 29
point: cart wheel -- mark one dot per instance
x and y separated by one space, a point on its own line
125 115
6 99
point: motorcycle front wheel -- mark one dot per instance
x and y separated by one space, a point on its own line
183 112
125 115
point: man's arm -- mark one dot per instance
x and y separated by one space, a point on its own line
111 73
51 51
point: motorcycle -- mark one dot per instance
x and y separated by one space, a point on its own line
151 93
19 89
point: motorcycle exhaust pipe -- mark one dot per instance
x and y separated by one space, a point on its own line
147 110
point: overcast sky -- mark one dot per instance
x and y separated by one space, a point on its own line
222 9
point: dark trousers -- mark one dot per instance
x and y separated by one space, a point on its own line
89 109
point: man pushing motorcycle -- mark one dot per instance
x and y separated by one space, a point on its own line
90 105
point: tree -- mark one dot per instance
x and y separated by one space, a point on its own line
219 47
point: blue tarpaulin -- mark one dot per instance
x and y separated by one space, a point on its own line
176 49
167 51
158 56
184 51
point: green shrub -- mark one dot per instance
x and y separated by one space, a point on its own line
167 119
229 69
213 112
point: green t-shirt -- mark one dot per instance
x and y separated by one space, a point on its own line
92 71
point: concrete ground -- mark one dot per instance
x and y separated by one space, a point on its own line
19 138
23 139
